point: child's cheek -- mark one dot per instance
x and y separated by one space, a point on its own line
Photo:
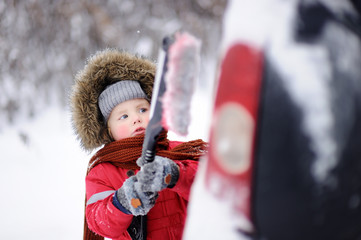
146 120
121 132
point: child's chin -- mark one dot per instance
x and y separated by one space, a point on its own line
139 133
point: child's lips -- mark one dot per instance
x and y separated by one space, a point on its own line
139 131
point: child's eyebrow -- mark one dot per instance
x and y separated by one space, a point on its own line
142 105
120 111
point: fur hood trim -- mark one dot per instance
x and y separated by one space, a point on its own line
102 69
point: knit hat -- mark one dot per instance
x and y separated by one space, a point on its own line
117 93
102 70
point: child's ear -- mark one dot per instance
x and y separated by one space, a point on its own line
106 136
110 134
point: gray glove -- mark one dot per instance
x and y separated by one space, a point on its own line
133 199
157 175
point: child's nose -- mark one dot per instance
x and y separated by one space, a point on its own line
137 119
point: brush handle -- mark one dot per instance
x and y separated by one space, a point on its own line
155 124
150 141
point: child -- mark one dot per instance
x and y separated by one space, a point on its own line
110 107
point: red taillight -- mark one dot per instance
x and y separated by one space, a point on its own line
233 130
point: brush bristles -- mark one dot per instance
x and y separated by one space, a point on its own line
183 69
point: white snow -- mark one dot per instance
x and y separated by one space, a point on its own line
210 217
42 179
306 74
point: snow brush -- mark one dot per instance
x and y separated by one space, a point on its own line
174 84
173 89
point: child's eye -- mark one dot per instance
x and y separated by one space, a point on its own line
143 110
123 116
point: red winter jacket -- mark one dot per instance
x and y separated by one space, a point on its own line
164 221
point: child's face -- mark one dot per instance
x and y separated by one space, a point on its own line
129 118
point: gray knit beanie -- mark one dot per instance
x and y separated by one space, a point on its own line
117 93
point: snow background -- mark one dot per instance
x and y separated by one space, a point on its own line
42 179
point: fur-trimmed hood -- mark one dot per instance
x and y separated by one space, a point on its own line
102 69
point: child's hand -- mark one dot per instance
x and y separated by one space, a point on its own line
134 199
159 174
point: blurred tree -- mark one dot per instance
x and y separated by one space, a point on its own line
44 43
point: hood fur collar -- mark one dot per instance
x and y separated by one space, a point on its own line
102 69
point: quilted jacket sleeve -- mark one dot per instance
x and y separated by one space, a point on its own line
102 216
187 172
